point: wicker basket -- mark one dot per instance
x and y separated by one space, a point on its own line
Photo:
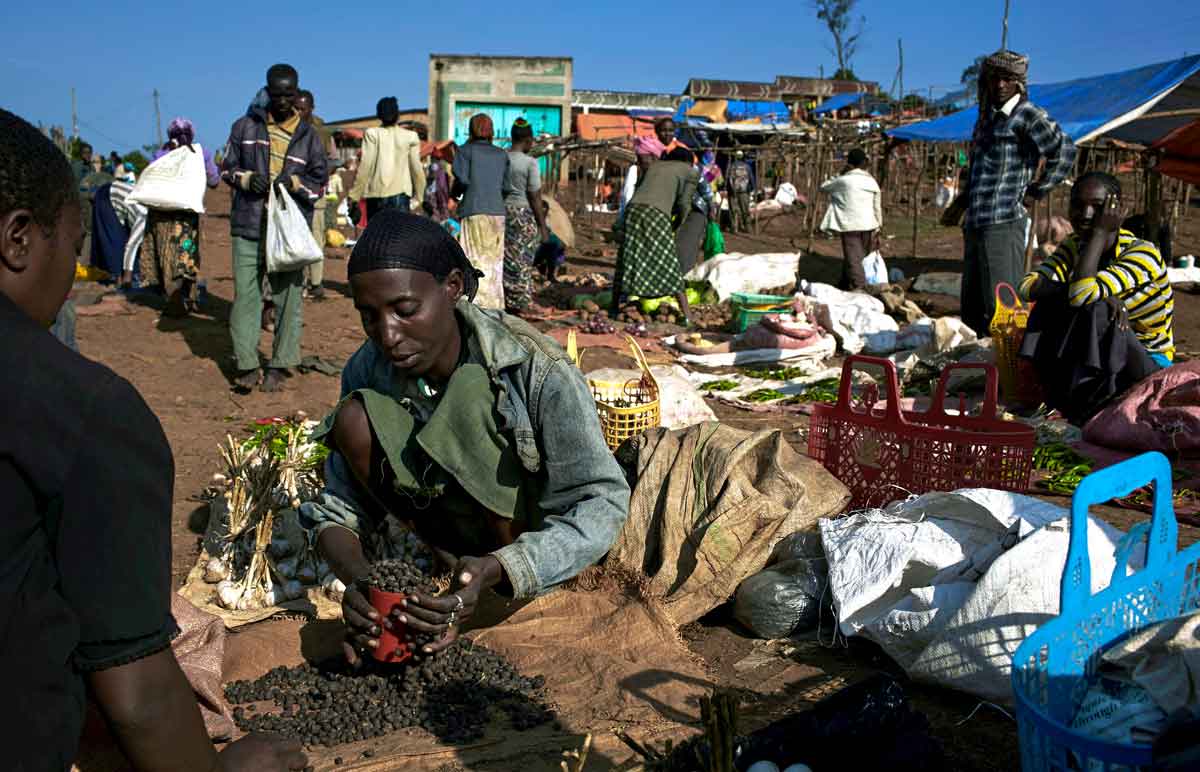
626 408
1018 381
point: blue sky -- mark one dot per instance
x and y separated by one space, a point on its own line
208 64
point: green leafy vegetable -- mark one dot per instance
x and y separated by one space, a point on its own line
723 385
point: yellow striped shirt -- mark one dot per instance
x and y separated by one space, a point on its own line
1138 276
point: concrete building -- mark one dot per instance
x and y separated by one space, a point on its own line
537 88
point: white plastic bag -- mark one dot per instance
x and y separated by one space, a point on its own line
290 243
175 182
875 268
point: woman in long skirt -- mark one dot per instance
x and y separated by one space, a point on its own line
170 256
480 169
648 263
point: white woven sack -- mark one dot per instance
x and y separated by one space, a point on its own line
290 243
175 181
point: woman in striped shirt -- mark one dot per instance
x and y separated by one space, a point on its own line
1105 311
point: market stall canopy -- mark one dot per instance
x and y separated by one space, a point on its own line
1181 153
597 126
1086 108
839 102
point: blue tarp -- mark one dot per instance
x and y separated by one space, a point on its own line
1083 107
837 102
769 112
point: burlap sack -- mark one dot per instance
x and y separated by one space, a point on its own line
709 503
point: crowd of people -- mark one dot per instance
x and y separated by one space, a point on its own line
517 489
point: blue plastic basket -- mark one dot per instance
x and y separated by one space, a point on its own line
1053 667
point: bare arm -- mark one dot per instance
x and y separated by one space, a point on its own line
152 711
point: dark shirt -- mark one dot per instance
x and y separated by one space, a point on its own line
482 168
86 480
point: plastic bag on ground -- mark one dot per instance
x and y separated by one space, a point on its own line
176 181
782 599
875 268
290 243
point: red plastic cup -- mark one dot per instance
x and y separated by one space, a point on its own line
392 646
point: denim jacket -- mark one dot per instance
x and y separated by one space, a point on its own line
547 411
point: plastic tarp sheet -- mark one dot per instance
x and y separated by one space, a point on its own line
1085 108
598 126
949 584
1181 153
768 112
737 272
838 102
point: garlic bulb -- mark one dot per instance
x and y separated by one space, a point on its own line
229 593
215 571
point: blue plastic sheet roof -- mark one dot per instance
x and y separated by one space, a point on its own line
770 112
837 102
1085 107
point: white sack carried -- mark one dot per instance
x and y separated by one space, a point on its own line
735 272
875 268
930 582
176 181
680 403
856 319
290 243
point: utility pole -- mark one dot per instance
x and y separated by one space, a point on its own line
900 72
74 116
1004 34
157 120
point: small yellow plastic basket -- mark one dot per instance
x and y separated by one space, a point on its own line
626 408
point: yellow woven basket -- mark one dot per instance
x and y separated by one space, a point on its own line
626 408
1017 379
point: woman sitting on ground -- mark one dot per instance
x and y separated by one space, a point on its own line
1104 317
469 425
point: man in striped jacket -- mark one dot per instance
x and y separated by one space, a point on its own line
1105 310
270 145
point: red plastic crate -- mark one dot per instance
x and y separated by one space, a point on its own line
881 452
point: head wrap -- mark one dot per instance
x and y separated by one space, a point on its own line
1010 63
481 128
387 110
681 153
397 239
649 145
521 129
181 132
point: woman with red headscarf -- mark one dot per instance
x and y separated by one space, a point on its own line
480 169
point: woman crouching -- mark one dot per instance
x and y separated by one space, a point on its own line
468 424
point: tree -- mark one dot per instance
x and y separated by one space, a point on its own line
970 75
138 159
913 101
845 75
838 16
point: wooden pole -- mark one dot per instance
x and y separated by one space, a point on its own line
916 199
1004 32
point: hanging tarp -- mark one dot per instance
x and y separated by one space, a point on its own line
1086 108
767 112
1180 153
840 102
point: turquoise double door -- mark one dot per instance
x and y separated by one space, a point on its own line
545 119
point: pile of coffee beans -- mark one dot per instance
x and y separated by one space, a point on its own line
399 576
448 695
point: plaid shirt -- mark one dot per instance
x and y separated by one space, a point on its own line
1004 158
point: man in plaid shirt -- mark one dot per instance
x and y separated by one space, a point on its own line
1012 136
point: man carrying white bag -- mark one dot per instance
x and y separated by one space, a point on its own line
277 166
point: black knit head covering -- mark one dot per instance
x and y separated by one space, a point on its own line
398 239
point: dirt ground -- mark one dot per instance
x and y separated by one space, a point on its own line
182 369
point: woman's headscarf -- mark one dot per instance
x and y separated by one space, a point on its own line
649 145
481 128
180 132
397 239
